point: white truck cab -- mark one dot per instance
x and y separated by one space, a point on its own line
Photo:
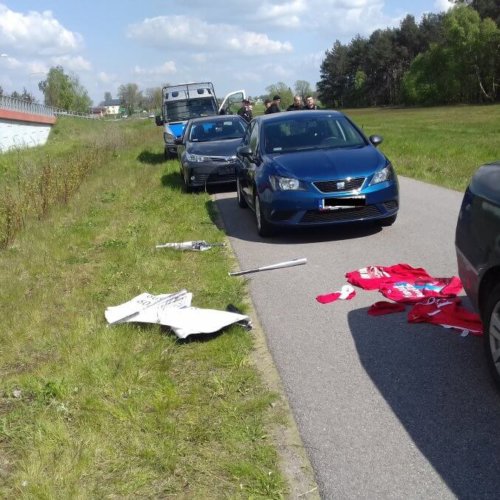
191 100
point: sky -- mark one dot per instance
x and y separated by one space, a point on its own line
235 44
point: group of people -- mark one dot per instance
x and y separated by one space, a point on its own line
297 104
273 106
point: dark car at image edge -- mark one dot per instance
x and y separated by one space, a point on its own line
477 243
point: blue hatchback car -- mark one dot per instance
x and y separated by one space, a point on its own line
477 243
313 168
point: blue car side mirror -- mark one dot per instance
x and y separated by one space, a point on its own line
376 140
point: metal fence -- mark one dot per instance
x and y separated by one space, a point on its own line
38 109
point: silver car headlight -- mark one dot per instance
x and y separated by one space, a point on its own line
382 175
279 183
196 158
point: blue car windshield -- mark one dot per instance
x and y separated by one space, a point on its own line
295 133
217 129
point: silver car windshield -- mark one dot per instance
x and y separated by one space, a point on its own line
319 132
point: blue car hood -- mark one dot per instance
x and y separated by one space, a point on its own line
225 147
328 163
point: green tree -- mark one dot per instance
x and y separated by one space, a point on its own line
64 91
464 68
152 99
130 97
334 85
485 8
283 90
303 88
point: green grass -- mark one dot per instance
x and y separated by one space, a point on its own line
91 411
442 146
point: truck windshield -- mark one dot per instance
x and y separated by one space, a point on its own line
185 109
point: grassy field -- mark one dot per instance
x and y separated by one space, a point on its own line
442 145
91 411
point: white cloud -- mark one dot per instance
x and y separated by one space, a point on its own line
442 5
71 63
167 68
104 77
288 14
182 32
35 33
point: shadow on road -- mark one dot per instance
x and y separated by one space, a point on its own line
240 223
437 384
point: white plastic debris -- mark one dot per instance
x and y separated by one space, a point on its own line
279 265
197 245
172 310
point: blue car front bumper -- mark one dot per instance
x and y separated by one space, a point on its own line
312 208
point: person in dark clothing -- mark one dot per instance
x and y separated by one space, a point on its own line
246 110
297 104
275 106
310 104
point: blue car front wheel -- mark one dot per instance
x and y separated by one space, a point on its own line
242 203
263 227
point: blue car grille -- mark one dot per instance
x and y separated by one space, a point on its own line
339 185
354 213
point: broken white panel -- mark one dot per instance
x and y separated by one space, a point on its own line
172 310
191 320
145 307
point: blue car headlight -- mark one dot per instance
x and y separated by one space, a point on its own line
382 175
196 158
279 183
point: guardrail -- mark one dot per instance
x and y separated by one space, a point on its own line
34 108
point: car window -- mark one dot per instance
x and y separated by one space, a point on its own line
318 132
248 133
218 130
254 138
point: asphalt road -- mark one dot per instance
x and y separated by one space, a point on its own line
386 409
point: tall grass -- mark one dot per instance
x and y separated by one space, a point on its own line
33 181
91 411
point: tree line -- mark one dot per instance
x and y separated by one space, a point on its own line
447 58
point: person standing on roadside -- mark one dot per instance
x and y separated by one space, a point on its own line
275 106
310 104
267 103
246 110
297 104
